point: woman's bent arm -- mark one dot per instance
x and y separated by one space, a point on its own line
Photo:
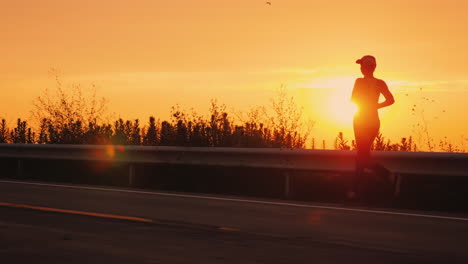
389 100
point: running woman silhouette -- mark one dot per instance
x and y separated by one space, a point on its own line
366 123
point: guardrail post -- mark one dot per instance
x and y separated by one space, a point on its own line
397 184
131 174
19 168
286 184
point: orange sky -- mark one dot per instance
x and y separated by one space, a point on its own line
147 55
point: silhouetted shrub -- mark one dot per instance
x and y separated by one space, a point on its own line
341 143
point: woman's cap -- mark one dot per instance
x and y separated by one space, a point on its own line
367 60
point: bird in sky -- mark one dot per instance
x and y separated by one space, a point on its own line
268 3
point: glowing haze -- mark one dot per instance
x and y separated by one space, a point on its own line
147 55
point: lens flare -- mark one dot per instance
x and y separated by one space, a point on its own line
110 151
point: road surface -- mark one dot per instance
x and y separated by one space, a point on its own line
59 223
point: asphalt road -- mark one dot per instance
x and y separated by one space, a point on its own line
43 223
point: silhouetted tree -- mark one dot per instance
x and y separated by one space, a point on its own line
98 134
22 133
198 133
219 125
3 132
122 130
43 135
181 134
150 138
72 133
167 134
135 131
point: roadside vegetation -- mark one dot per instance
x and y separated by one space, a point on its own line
74 115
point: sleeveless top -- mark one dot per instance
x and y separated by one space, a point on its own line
366 93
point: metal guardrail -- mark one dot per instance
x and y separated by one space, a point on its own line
426 163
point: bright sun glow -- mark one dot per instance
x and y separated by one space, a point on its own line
340 108
337 108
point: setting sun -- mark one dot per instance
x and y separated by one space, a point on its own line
340 108
336 106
